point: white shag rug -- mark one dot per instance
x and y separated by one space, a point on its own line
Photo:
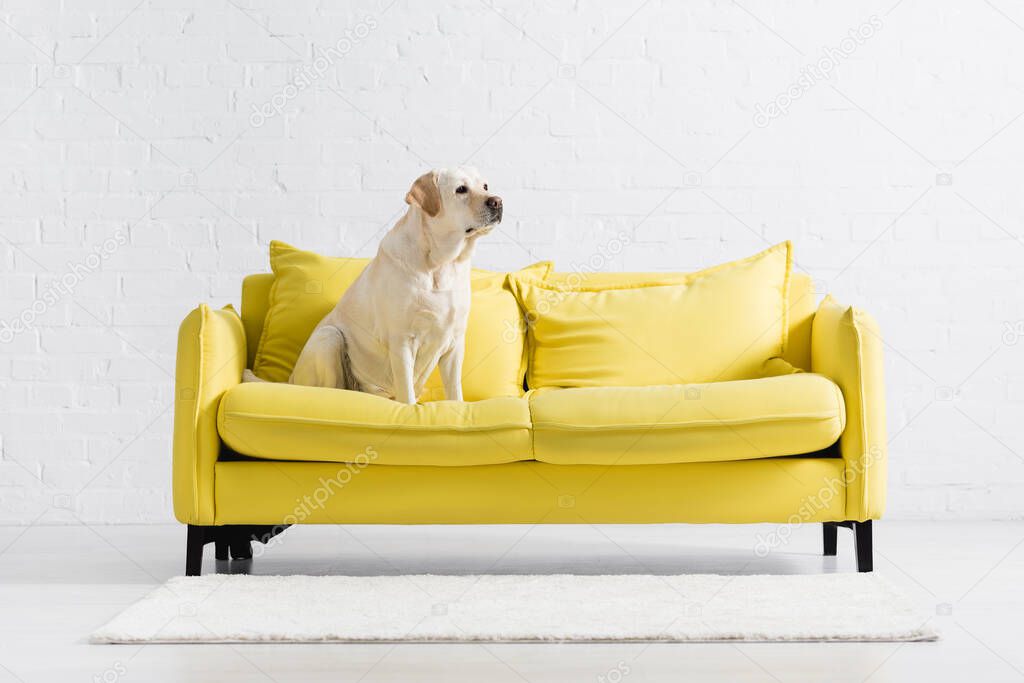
224 608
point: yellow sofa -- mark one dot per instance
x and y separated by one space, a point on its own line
797 447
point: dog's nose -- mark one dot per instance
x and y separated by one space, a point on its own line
493 202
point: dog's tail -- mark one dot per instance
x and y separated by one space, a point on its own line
250 376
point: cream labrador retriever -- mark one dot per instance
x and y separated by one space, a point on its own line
406 313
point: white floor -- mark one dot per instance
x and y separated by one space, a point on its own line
59 583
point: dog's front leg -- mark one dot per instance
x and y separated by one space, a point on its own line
451 370
402 357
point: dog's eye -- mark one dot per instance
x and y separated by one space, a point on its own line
461 189
485 187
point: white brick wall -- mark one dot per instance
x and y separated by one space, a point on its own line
130 125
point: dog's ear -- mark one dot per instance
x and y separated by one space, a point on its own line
424 194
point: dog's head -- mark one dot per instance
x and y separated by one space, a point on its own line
458 199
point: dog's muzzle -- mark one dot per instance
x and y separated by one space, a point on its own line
495 208
490 217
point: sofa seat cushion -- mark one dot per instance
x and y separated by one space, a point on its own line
740 420
285 422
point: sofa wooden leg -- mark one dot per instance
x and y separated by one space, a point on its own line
195 540
830 532
862 545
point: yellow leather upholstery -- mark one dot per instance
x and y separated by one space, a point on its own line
783 490
846 347
758 418
285 422
618 329
211 357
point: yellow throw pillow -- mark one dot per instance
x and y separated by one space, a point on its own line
307 286
630 329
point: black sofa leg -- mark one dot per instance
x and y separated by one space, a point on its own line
830 532
240 543
861 541
196 539
862 545
230 540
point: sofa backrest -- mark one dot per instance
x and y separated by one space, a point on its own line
802 304
255 304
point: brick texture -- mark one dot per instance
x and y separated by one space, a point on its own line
149 151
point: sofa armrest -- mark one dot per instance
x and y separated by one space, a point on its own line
211 358
846 348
